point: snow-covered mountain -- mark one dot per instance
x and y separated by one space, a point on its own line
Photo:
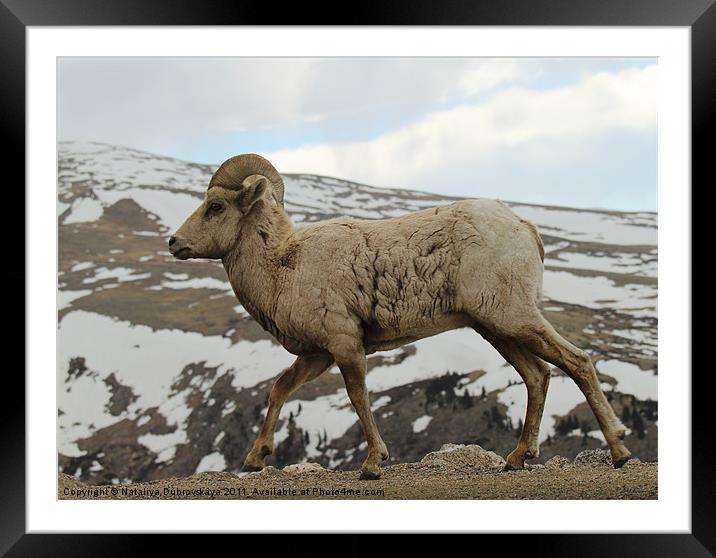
162 373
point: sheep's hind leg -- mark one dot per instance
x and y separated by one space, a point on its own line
352 363
304 369
543 341
536 375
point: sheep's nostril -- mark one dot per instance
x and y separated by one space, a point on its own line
172 240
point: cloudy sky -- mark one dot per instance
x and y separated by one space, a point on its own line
575 132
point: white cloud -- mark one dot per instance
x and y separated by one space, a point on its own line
152 103
488 74
564 119
573 132
155 103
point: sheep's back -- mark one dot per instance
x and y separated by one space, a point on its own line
409 276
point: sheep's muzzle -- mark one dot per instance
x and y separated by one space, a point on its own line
179 249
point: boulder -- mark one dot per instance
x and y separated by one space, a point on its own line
593 457
303 468
460 455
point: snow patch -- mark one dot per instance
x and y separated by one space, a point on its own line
615 263
195 283
631 379
468 352
332 414
164 444
563 395
212 462
382 401
172 208
599 292
65 298
82 265
84 210
421 423
123 274
149 368
621 229
176 276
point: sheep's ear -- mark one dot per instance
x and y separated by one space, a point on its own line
253 192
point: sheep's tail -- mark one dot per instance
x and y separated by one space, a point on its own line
540 248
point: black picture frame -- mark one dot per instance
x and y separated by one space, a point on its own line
16 15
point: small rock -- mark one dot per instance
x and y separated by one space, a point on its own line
466 456
269 471
593 457
557 462
303 468
534 467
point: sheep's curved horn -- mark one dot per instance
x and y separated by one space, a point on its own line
232 173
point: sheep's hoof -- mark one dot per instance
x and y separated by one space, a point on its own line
515 461
366 474
620 455
510 467
248 468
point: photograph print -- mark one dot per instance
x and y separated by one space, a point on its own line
386 278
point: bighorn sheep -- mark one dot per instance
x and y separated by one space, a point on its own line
335 291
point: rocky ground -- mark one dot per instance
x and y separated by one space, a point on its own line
453 472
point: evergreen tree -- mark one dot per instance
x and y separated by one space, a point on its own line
488 419
562 427
626 414
585 427
638 425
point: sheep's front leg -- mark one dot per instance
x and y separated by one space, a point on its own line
352 364
304 369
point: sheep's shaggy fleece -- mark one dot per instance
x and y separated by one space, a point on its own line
404 278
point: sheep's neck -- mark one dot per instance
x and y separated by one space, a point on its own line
251 264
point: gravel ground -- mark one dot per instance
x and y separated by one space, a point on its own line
433 478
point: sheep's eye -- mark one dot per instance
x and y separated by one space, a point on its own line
216 207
